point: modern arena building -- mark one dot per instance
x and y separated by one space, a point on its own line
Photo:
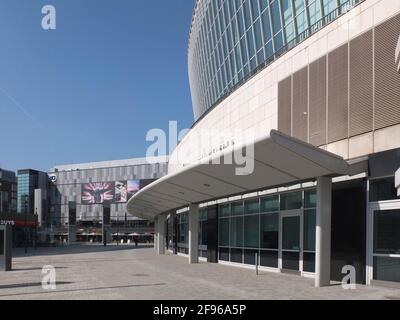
308 92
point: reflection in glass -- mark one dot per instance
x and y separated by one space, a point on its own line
270 204
270 231
251 231
224 232
291 201
236 236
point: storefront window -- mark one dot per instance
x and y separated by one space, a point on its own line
270 231
251 231
236 236
237 208
387 269
270 204
252 206
387 232
310 199
291 201
224 232
382 190
309 230
225 210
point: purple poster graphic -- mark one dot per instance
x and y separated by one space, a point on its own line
133 187
98 192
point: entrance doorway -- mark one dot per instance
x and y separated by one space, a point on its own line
290 246
384 243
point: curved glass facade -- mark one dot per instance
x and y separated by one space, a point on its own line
231 39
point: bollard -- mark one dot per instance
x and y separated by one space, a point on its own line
256 263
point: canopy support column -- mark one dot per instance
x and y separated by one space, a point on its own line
323 232
194 234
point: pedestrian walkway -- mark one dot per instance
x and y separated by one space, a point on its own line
126 272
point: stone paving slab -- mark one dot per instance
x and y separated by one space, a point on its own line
128 273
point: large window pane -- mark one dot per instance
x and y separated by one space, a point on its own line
270 231
382 189
224 232
291 233
387 232
237 209
291 201
224 210
252 206
236 234
270 204
309 230
251 231
387 269
310 199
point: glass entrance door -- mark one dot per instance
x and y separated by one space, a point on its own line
290 252
385 242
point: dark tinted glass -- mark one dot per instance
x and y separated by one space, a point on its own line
290 260
382 190
251 231
269 231
291 201
224 254
387 269
237 255
309 262
269 258
250 257
387 232
270 204
309 230
236 232
223 232
310 199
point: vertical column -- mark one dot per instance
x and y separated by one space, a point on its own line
194 234
155 234
323 232
71 222
161 234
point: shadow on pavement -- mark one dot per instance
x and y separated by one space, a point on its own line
78 290
26 285
75 249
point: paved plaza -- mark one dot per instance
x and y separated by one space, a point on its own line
125 272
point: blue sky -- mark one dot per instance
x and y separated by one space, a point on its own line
90 90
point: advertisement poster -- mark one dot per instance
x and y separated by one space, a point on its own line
97 193
121 191
133 187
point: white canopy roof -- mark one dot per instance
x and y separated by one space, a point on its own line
278 160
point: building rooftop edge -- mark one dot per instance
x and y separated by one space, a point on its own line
109 164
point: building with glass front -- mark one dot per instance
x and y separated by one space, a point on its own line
28 181
8 192
302 98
